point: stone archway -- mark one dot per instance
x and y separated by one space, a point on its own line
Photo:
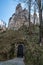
20 52
20 44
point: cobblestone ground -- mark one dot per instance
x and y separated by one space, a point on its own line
16 61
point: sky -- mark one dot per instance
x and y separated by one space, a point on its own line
7 8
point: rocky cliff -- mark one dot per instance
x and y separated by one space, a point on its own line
2 26
19 18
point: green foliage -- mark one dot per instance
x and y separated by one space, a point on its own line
33 54
7 39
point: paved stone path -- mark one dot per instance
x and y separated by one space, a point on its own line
16 61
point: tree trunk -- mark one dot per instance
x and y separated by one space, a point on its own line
34 17
40 19
29 15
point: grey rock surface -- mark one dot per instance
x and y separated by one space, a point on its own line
16 61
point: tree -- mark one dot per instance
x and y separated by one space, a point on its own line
35 15
28 3
40 19
29 7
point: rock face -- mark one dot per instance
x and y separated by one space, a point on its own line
19 18
2 26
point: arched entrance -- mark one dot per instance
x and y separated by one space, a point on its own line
20 51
